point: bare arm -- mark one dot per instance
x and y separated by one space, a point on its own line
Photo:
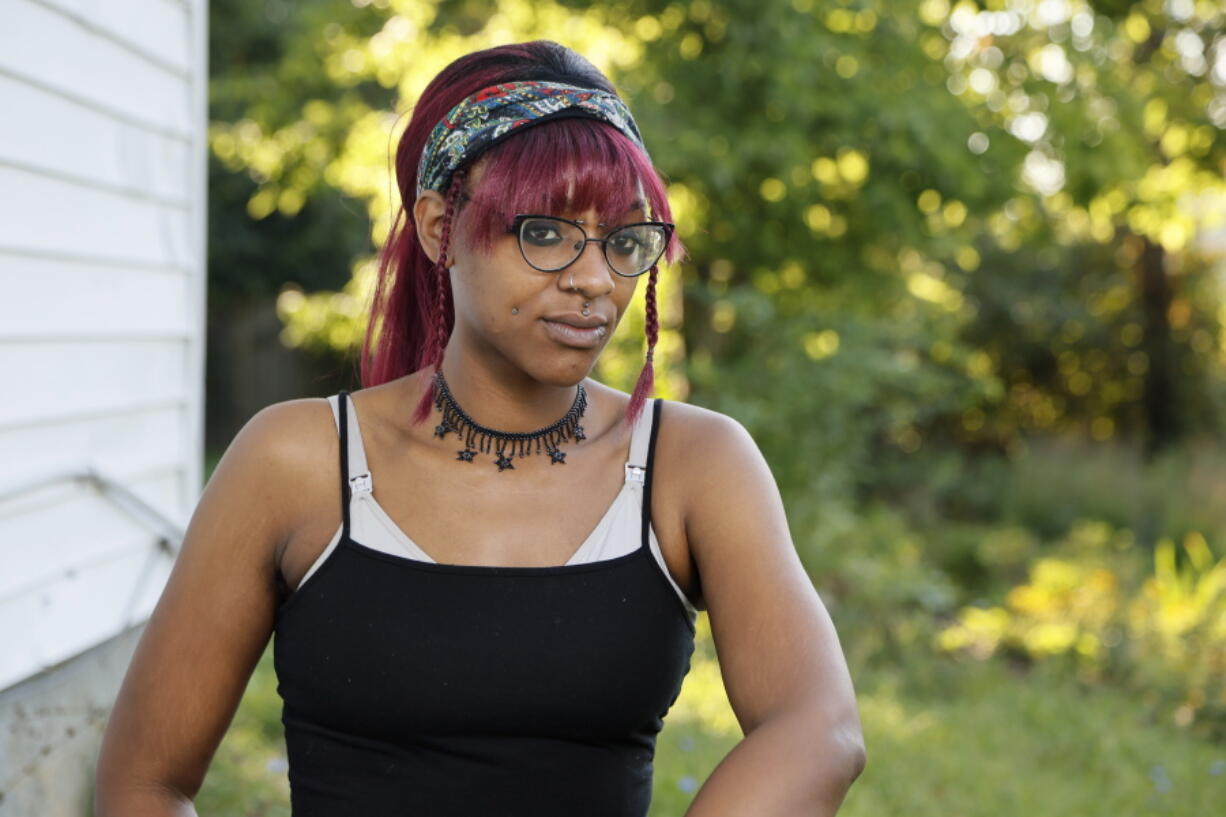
209 627
779 654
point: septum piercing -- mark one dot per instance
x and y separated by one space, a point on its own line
572 288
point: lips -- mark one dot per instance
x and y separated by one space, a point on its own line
578 320
567 334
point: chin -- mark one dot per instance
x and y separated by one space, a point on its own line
564 373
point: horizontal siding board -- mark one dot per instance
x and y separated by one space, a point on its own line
153 28
45 214
34 41
49 297
43 130
50 624
56 380
86 527
86 257
131 446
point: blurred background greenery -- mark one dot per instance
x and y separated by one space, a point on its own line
957 266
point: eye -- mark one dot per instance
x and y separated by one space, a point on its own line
540 233
625 242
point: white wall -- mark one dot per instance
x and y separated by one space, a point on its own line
102 303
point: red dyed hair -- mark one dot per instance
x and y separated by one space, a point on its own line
529 171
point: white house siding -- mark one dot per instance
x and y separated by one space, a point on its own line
102 304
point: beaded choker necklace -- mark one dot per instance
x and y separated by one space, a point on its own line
506 444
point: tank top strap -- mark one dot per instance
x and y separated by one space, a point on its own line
640 439
652 411
355 476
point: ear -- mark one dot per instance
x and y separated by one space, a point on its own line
428 212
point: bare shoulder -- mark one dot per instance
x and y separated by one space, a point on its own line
282 438
690 419
703 459
724 483
283 454
703 446
292 429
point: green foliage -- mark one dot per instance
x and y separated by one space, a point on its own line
1163 634
1049 485
311 249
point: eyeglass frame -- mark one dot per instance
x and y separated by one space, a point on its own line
517 225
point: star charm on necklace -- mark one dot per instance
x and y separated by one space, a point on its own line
557 456
441 429
579 435
503 462
466 455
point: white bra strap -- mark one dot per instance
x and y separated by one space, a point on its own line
359 473
640 439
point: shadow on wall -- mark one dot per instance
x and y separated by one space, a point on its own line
247 367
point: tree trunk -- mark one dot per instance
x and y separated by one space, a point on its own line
1161 411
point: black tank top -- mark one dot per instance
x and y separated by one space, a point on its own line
423 689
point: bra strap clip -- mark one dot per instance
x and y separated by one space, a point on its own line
360 483
635 473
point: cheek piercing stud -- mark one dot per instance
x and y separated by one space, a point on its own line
515 310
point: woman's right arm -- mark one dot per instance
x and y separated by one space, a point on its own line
212 622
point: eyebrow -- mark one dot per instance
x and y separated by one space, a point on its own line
637 204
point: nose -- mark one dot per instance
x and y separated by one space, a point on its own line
589 273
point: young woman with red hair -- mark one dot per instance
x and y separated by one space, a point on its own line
518 653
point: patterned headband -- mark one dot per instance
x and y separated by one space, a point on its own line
489 115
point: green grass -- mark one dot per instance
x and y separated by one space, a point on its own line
979 740
996 742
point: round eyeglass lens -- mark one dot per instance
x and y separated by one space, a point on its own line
633 249
549 244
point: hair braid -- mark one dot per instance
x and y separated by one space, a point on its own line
646 381
436 342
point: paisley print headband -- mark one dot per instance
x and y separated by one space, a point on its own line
492 113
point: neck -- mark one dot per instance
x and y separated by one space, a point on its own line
503 397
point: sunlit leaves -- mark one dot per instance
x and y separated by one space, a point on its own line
1085 604
945 187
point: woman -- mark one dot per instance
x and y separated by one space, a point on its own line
489 665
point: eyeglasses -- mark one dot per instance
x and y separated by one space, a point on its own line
550 244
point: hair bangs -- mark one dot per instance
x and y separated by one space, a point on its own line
562 167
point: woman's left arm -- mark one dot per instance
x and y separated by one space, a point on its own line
779 655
